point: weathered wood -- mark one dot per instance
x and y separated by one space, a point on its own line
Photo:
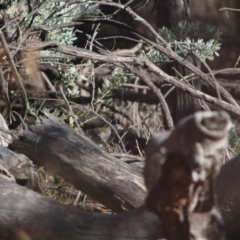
19 168
180 173
81 162
228 192
29 214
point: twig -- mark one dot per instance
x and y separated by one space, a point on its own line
186 63
224 9
135 86
211 74
108 123
70 109
48 82
127 52
15 73
92 65
83 53
237 62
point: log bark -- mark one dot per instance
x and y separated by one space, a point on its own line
180 172
171 12
228 192
82 163
25 214
18 168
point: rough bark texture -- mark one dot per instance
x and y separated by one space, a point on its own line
175 11
25 214
180 171
18 168
228 192
179 11
82 163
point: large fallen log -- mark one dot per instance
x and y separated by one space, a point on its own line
81 162
25 214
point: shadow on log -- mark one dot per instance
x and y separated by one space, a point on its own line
179 175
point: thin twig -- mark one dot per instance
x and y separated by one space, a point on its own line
83 53
15 73
48 82
224 9
211 74
107 122
92 65
71 111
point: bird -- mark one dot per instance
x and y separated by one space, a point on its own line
103 135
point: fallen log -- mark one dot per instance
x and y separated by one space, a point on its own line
25 214
81 162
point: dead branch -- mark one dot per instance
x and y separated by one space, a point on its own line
16 77
83 53
164 48
26 213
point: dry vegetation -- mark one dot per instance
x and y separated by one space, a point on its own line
113 100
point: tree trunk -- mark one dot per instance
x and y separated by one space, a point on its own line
173 12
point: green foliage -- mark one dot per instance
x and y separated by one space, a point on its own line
63 115
52 14
33 112
193 30
4 4
69 78
186 38
63 13
119 77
